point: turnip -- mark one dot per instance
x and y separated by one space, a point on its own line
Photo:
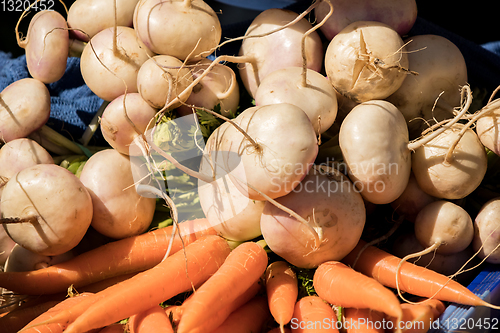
374 142
162 26
445 227
487 232
488 126
272 153
452 165
111 60
412 200
46 45
281 49
118 210
23 260
125 118
88 17
218 87
366 61
400 15
24 108
6 246
162 78
316 97
435 91
46 209
334 210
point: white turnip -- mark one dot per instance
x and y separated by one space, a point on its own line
279 49
218 87
162 27
110 70
488 126
435 91
118 210
487 232
47 46
23 260
446 171
46 209
161 78
334 210
398 14
125 118
273 156
366 61
88 17
316 97
24 108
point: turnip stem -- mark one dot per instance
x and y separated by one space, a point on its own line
303 43
94 124
416 144
57 138
76 48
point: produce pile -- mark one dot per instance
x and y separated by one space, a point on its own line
332 175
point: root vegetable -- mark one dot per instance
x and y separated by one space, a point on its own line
24 108
317 97
88 17
336 215
161 78
118 210
400 15
110 70
38 199
447 171
366 61
162 25
278 50
435 91
258 159
47 46
488 127
218 87
126 117
312 314
374 141
22 260
487 232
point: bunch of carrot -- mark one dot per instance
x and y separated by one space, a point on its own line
237 290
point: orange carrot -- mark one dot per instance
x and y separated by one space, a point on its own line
245 265
436 305
248 318
14 320
176 274
218 318
174 312
413 279
54 311
417 318
123 256
278 330
152 320
282 291
312 315
363 321
340 285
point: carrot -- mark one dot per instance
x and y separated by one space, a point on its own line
153 320
176 274
278 330
218 318
413 279
54 311
245 265
436 306
174 313
363 321
248 318
282 291
14 320
124 256
417 318
311 315
340 285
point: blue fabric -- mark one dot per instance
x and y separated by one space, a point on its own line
73 104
